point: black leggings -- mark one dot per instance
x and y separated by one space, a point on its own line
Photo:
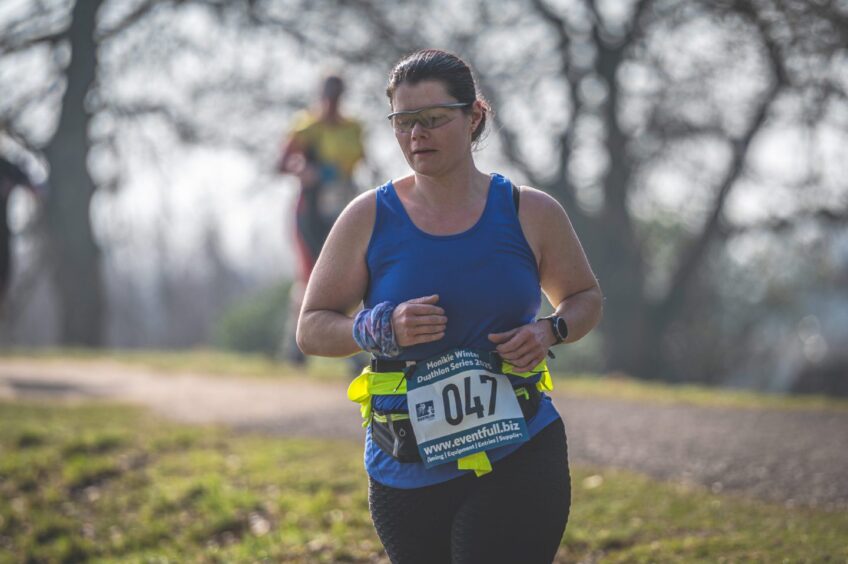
516 513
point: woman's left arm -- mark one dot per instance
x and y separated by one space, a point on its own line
565 276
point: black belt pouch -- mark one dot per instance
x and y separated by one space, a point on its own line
396 438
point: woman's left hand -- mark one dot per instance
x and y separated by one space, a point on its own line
526 346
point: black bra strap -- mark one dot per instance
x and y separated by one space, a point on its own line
516 193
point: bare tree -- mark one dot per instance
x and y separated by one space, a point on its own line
81 94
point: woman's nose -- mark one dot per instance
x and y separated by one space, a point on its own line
417 130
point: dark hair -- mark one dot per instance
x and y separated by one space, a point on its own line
447 68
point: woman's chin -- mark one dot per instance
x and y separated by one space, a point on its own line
430 167
425 169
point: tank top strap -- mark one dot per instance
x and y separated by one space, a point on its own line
502 197
391 214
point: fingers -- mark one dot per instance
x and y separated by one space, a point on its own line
410 320
425 320
428 334
421 309
422 306
502 337
523 347
527 362
513 344
424 300
419 321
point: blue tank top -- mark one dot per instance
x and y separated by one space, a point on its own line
487 281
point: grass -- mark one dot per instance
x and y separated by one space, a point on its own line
108 483
616 386
114 484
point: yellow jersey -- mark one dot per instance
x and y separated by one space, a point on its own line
337 144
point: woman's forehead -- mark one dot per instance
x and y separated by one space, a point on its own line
420 95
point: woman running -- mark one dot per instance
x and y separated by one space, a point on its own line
466 455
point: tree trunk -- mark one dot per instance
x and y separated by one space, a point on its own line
75 255
631 344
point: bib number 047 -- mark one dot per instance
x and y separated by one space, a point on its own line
456 409
461 404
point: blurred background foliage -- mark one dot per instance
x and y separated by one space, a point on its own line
698 146
254 323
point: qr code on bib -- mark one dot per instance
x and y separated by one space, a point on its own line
425 411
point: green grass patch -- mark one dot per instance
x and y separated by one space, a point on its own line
630 518
116 484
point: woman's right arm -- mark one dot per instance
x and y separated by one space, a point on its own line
337 286
338 283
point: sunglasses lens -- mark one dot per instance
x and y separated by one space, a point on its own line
404 123
430 118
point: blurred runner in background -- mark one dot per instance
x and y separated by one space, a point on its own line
11 176
322 149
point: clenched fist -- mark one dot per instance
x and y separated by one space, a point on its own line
418 321
526 346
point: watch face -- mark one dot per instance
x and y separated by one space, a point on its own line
561 328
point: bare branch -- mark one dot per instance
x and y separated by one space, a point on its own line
509 144
673 128
636 20
820 216
562 186
560 26
692 255
187 129
386 32
11 43
597 19
6 128
385 35
23 102
131 19
35 26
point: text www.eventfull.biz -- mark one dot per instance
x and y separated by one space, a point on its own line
489 435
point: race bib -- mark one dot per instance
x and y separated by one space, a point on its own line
460 404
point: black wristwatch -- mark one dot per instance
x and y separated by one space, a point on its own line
559 327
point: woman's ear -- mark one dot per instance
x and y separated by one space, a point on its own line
477 112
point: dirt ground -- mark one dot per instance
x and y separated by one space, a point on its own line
793 457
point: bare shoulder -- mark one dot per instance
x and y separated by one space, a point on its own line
543 220
363 205
537 205
343 256
340 276
359 215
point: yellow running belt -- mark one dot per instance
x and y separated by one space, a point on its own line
369 384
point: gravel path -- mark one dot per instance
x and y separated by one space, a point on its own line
795 457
